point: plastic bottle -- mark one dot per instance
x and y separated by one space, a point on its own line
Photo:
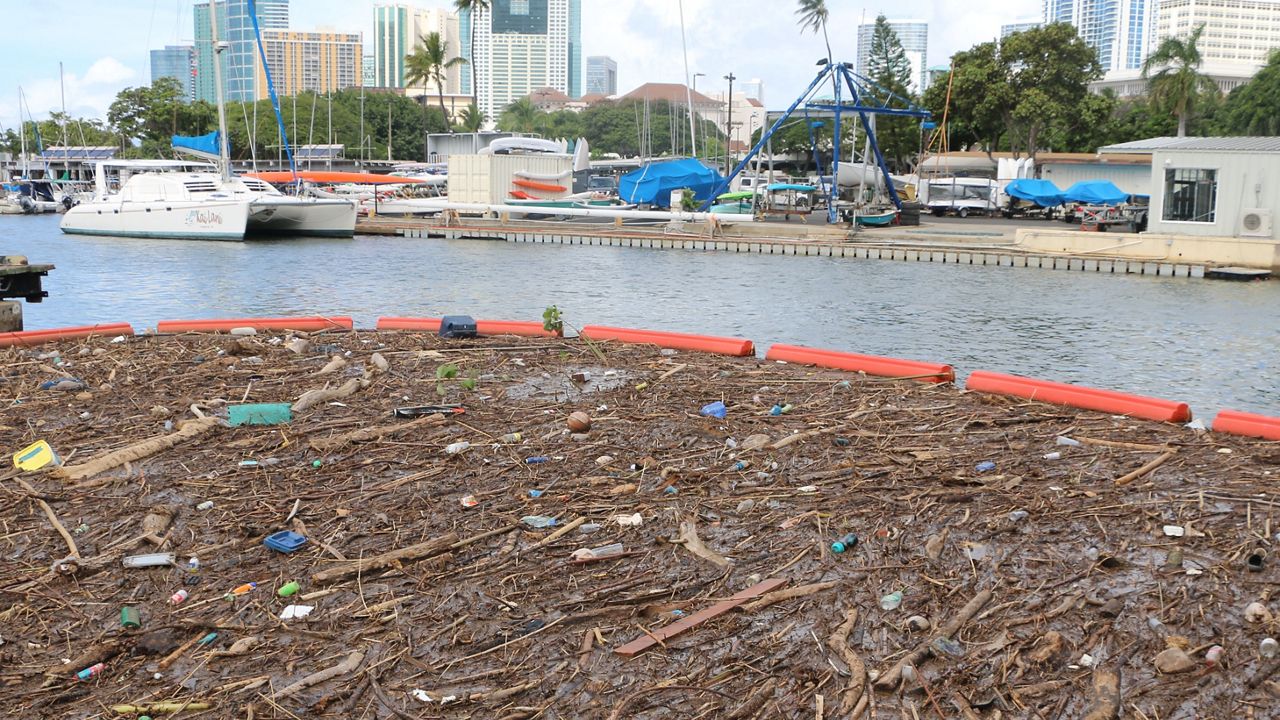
538 521
455 448
178 597
586 528
290 588
1069 442
1268 647
90 671
193 564
1018 515
848 542
891 601
206 505
241 590
1053 456
715 410
1213 655
511 438
536 460
985 466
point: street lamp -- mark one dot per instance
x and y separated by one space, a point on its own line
728 145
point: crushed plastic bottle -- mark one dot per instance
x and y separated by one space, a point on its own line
1068 442
538 521
511 438
985 466
587 528
458 447
1019 515
715 410
598 553
206 505
891 601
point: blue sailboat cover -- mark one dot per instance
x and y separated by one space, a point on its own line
1096 192
203 144
654 183
1041 192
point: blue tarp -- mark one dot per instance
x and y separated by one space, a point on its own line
654 183
1041 192
203 144
1096 192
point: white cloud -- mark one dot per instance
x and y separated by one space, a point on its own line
108 71
88 95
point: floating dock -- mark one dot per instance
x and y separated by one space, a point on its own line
804 240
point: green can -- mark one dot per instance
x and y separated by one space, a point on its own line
129 617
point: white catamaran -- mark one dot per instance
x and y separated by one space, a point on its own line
201 200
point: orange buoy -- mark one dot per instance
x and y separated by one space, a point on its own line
306 324
1078 396
869 364
36 337
1235 422
737 347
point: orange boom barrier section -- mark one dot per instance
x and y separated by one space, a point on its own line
869 364
483 327
737 347
36 337
1077 396
1235 422
305 324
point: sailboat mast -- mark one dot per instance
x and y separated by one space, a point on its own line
224 154
22 132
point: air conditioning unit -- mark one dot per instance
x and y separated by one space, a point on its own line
1255 222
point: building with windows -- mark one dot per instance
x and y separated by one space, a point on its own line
236 28
369 72
1225 187
914 36
1019 26
398 30
1238 38
602 76
177 62
520 46
321 61
1120 30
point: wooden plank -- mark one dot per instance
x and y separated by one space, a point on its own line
644 642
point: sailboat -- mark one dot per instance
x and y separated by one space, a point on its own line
201 200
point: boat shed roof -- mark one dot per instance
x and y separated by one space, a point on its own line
1197 144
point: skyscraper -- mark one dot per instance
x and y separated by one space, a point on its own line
1120 30
235 27
1238 37
1020 26
177 62
520 46
321 61
398 29
602 75
914 36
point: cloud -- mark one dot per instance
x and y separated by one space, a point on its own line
108 71
87 95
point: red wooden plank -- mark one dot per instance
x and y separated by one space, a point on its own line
640 644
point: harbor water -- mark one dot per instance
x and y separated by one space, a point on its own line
1212 344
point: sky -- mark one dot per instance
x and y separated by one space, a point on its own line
104 45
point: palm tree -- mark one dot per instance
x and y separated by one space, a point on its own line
813 16
427 64
1179 84
471 119
472 7
520 116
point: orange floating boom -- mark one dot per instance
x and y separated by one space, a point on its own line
483 327
36 337
1235 422
1078 396
306 324
736 347
869 364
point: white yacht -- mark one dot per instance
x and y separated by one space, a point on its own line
193 200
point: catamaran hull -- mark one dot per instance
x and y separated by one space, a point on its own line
184 220
286 215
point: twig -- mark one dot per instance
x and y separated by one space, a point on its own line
48 511
889 680
343 668
1145 469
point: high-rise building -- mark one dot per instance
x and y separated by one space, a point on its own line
235 27
1236 32
177 62
1120 30
520 46
398 29
914 36
369 71
321 61
602 76
1016 27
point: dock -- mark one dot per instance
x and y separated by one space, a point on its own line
901 244
1238 274
19 280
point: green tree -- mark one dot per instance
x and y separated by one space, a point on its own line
429 63
1251 108
1049 69
813 16
471 7
974 99
521 116
890 71
1178 86
471 119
